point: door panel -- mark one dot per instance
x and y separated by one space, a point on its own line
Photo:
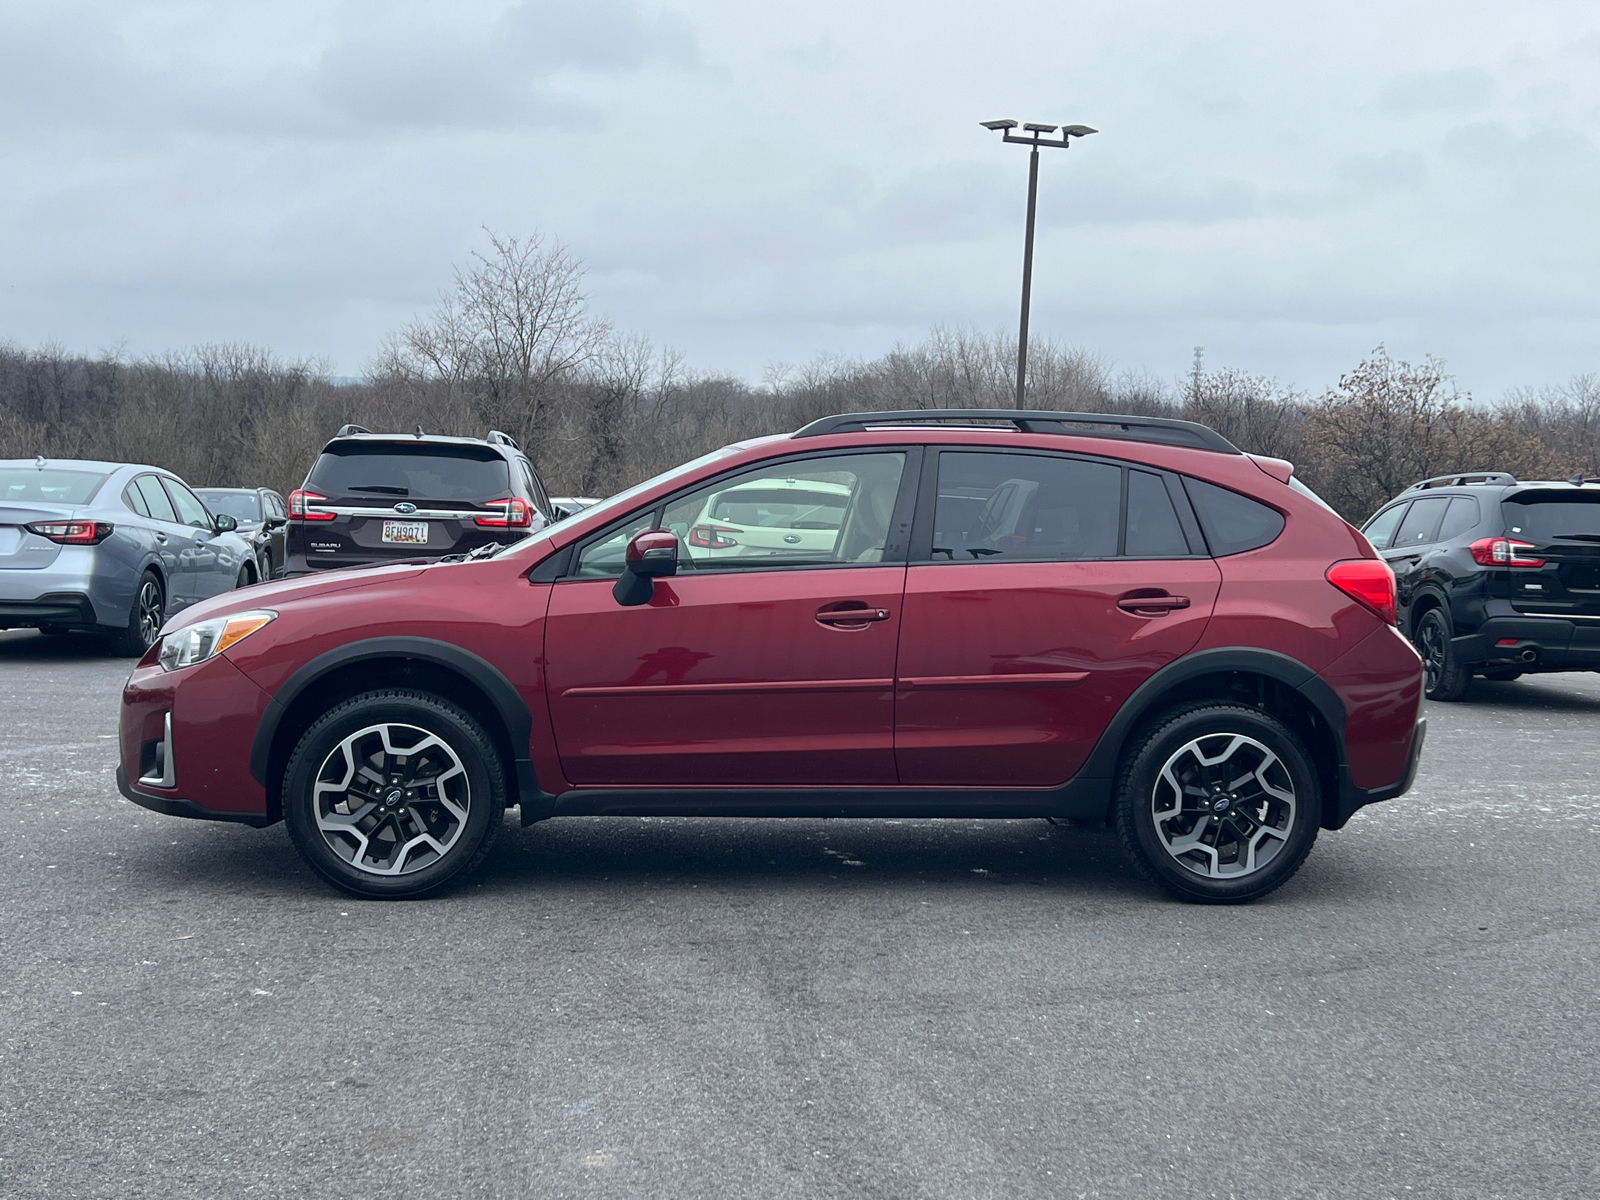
728 678
172 543
1009 672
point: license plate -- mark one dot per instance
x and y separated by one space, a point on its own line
410 533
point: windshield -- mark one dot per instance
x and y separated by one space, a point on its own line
48 485
427 472
1552 516
244 507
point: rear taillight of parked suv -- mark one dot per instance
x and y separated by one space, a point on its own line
300 509
514 513
1369 582
1503 552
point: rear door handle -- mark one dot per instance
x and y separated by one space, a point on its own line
162 538
851 618
1151 606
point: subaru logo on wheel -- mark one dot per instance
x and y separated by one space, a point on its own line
405 506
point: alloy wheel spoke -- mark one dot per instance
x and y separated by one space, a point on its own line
1223 805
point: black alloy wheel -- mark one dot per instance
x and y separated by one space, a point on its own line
1446 678
1218 803
144 621
392 795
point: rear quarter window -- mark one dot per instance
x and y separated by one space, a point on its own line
1232 523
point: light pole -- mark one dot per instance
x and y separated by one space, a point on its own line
1037 139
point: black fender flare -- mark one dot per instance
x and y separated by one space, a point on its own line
1098 773
508 704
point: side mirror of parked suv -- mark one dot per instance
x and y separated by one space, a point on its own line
651 554
225 523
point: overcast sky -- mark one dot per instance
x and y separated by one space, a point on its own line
1285 184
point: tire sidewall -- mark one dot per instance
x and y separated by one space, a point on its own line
1136 823
1453 678
129 641
463 734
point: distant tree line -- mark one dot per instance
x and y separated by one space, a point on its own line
513 346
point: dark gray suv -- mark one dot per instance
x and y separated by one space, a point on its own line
1496 577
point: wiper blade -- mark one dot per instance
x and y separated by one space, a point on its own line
379 487
487 550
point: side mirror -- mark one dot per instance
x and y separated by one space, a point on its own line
225 523
651 554
275 522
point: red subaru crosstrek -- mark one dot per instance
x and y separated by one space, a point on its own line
939 613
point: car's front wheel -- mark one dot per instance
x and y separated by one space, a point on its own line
394 794
1218 803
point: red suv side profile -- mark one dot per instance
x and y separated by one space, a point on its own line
974 613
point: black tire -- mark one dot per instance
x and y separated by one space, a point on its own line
1250 820
246 578
144 618
354 867
1446 678
1503 675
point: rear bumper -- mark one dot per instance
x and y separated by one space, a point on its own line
1352 798
52 608
169 806
1554 644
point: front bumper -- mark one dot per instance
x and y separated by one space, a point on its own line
1352 798
1533 644
171 806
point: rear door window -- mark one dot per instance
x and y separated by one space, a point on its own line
1153 527
1461 517
1026 507
393 470
1421 525
155 499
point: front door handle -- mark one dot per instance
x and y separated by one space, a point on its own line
859 616
1148 605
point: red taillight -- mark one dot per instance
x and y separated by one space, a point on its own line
713 537
514 514
73 533
1369 582
1503 552
300 507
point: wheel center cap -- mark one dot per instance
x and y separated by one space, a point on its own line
1220 804
394 797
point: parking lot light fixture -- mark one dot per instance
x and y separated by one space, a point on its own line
1033 135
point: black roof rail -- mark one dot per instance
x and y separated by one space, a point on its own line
1164 430
1498 478
348 430
496 438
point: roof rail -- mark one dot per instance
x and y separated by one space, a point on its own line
1163 430
496 438
1462 480
347 430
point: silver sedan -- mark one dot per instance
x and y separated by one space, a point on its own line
110 548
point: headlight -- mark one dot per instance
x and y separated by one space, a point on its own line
196 643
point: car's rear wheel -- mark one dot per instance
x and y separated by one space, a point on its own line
144 620
1446 678
1218 803
394 794
246 578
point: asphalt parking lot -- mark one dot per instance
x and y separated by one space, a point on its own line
669 1008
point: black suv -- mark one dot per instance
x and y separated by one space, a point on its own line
391 497
1496 577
